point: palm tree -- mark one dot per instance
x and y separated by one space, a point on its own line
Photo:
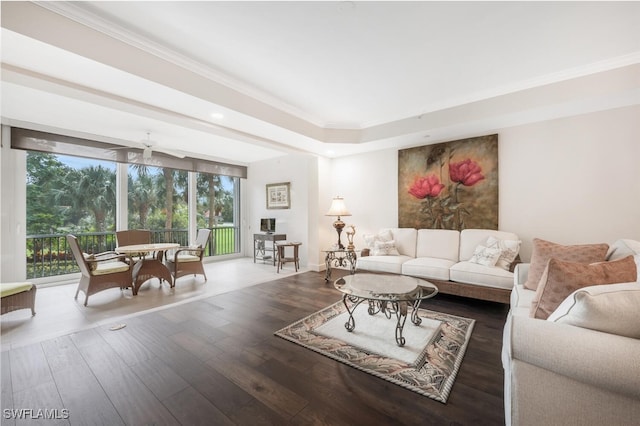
209 186
142 196
95 192
47 200
169 185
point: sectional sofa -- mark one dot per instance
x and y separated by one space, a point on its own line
475 263
580 365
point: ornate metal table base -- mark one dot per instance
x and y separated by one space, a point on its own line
388 308
339 259
386 293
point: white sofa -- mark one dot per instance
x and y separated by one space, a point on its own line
443 257
562 374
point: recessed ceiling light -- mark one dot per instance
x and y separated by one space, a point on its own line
330 152
217 116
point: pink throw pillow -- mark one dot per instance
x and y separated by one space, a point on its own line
561 278
545 250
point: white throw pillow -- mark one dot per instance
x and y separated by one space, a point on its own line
370 239
385 248
509 251
610 308
623 248
486 256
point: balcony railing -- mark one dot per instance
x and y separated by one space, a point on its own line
49 254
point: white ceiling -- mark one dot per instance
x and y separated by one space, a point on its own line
327 78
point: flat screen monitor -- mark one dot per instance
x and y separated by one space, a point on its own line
268 225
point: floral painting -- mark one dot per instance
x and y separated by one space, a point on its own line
451 185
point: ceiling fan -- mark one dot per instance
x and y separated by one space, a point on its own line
150 145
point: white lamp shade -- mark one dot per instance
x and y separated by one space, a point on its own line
338 208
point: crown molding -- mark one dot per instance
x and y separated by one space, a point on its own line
557 77
73 11
327 132
28 78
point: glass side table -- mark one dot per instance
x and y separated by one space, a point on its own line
339 258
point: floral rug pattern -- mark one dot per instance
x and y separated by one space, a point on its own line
433 372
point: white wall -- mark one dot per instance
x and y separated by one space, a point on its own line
299 221
13 211
323 226
369 185
571 180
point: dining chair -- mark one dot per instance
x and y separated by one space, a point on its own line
133 237
187 260
99 271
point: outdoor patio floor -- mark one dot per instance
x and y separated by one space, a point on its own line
58 313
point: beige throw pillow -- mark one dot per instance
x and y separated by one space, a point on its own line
91 261
509 250
486 256
611 308
545 250
561 278
385 248
370 239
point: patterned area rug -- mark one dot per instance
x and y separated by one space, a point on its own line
427 364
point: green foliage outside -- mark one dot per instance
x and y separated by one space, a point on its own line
62 199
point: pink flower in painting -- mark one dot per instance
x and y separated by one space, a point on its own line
427 186
466 172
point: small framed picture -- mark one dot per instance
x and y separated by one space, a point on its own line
278 195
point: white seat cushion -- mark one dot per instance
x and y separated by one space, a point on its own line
522 297
428 267
489 276
185 257
9 289
389 264
103 268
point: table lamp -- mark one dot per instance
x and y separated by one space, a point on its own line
338 208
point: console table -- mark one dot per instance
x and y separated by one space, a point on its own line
262 250
339 258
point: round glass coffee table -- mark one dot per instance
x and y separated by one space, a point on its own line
389 294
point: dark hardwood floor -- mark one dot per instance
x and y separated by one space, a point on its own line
216 362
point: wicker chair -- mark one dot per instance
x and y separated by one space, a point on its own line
18 295
100 271
132 237
188 260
